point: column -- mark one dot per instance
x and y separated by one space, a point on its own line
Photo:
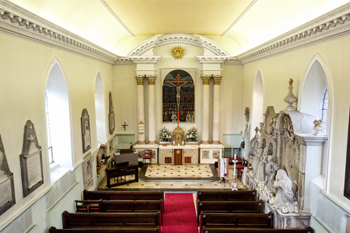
140 110
205 113
151 109
216 110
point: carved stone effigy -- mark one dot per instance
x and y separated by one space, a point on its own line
286 146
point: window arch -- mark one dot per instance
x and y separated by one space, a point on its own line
58 127
315 98
257 103
100 110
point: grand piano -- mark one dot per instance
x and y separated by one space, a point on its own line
119 171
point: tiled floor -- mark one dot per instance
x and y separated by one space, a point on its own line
177 185
179 171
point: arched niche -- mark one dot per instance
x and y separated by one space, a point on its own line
178 97
100 109
315 82
257 101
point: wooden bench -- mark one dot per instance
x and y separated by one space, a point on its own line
134 219
230 207
256 230
226 195
106 230
123 195
236 220
88 206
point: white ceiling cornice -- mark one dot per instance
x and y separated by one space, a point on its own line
198 41
329 26
19 22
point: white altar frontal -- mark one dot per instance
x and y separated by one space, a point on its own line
178 155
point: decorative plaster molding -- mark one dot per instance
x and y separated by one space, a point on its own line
145 59
217 79
151 79
313 32
211 59
205 79
198 41
19 22
123 61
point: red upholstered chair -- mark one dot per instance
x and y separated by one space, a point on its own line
147 157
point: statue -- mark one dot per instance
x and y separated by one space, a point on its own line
284 199
178 90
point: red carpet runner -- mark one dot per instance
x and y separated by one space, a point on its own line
179 213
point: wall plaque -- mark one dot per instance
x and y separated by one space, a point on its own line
111 115
87 171
31 161
85 130
7 189
347 167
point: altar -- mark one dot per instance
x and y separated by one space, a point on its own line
178 155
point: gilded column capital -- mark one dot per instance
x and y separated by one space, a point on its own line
139 79
205 79
217 79
151 79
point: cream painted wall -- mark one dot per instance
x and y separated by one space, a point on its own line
124 98
24 67
276 71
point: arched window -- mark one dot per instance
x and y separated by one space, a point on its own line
100 110
313 100
324 110
257 103
58 128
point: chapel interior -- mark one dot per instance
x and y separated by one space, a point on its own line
175 96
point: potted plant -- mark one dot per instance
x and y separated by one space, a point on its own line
192 135
164 136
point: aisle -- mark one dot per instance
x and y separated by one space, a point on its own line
179 213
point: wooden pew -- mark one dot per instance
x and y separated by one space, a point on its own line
123 195
106 230
256 230
226 195
236 220
131 206
230 207
134 219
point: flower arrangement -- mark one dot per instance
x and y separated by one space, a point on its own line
164 135
192 134
317 122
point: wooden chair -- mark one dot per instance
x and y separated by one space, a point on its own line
147 157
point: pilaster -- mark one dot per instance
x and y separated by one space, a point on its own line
151 109
216 109
205 113
140 110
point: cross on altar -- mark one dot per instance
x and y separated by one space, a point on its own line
124 126
179 83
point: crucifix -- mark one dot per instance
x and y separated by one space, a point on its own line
178 92
124 126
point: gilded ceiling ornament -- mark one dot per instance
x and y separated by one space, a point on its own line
177 52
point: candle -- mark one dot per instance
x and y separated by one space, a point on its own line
235 156
173 142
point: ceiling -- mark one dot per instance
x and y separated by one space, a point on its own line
237 25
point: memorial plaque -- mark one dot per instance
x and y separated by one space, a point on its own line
7 190
31 161
85 130
33 173
111 115
87 171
